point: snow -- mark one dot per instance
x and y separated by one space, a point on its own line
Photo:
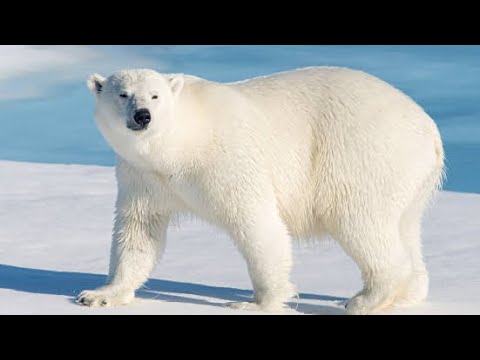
55 226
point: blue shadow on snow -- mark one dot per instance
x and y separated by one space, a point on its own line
71 283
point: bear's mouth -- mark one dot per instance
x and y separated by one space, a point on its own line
137 127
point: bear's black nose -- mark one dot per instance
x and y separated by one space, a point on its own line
142 117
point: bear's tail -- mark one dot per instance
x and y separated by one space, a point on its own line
437 177
440 164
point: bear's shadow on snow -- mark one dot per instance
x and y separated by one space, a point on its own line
71 283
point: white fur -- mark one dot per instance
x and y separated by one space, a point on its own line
293 155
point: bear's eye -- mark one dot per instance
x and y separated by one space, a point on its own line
123 95
155 97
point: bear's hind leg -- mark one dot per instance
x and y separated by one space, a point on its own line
383 260
410 233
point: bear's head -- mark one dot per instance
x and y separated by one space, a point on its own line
134 103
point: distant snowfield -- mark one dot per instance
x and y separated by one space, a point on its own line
55 226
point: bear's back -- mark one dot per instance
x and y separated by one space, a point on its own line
321 83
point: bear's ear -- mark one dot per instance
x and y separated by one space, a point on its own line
176 84
95 83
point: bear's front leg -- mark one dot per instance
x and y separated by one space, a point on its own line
138 241
265 244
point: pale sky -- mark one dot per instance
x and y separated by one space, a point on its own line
48 111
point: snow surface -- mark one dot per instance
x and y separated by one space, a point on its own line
55 226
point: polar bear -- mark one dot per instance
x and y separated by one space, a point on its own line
300 154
